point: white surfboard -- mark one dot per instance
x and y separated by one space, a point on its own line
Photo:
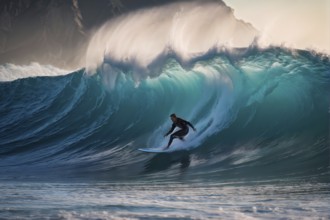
155 150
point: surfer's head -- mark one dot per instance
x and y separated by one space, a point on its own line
173 117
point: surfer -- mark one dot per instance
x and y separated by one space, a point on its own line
184 129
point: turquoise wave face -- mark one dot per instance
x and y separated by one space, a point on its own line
257 113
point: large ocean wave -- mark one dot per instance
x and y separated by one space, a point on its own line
258 112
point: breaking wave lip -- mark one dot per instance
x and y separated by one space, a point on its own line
143 40
185 30
251 108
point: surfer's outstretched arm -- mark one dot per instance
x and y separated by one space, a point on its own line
188 123
171 130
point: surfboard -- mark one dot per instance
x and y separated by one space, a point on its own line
154 150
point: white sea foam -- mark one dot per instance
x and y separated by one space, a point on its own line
186 29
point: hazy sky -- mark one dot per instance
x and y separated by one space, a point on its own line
297 23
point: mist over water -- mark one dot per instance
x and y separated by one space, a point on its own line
185 30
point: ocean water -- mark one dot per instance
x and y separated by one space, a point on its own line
143 200
69 139
69 143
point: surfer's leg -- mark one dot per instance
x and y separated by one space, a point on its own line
170 141
179 134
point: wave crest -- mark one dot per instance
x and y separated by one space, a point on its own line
186 29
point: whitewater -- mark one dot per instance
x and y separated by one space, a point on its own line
69 138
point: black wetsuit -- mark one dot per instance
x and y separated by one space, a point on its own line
184 129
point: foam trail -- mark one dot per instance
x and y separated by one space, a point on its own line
187 29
